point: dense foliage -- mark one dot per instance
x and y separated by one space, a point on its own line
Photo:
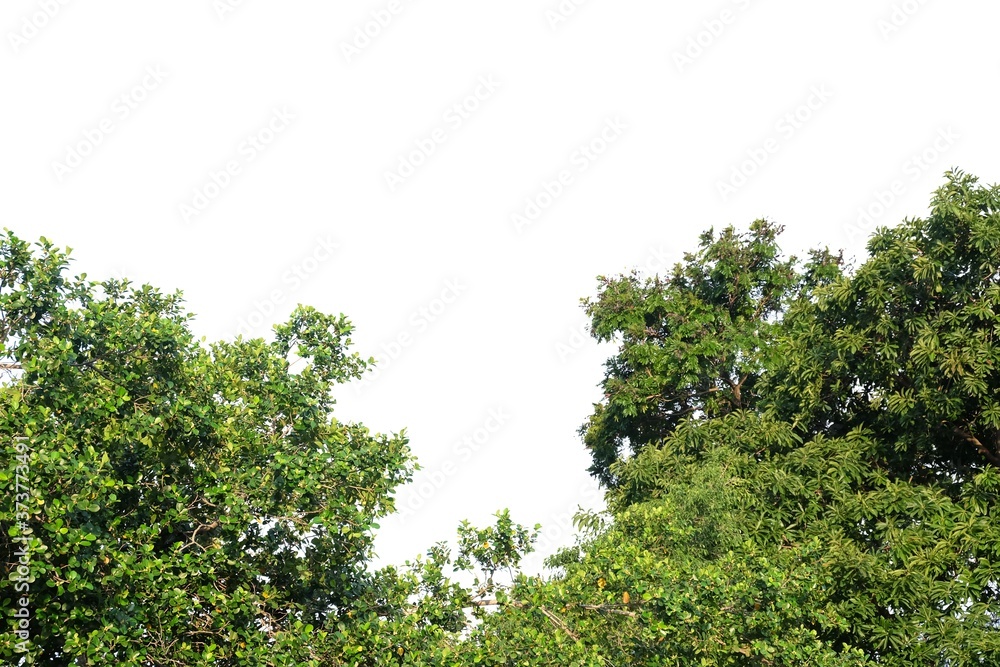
694 344
869 440
183 505
802 464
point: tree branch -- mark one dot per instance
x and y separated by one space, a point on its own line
559 623
589 607
983 449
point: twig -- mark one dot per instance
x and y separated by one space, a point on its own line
559 623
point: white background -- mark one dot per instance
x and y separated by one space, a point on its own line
882 94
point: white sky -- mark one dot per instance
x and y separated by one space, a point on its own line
899 92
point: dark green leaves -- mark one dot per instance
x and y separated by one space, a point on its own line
693 344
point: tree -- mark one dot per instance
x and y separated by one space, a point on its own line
907 346
183 504
680 579
692 345
867 452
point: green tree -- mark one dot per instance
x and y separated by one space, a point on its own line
907 345
694 344
187 504
867 452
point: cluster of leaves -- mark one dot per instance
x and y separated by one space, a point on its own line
694 344
908 571
908 345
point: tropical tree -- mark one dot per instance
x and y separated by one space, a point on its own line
870 441
177 503
908 345
694 344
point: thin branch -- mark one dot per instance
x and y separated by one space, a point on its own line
214 524
682 398
607 609
589 607
559 623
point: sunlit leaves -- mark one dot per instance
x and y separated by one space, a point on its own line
198 502
694 343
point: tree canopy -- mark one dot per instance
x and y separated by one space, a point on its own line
801 462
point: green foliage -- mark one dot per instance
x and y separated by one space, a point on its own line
692 345
657 589
862 455
494 548
802 468
907 346
909 571
187 504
